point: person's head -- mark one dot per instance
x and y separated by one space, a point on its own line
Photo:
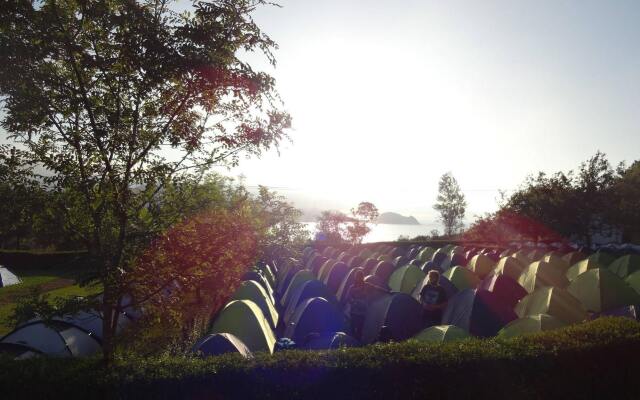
358 277
434 277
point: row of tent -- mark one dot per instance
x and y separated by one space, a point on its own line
491 292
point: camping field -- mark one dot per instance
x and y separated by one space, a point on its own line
54 282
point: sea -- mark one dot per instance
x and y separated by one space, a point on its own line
385 232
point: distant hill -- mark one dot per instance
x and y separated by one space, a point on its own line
395 218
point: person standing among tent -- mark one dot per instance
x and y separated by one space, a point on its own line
433 298
357 303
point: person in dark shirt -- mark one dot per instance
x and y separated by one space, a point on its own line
433 298
357 303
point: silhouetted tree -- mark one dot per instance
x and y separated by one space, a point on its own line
451 204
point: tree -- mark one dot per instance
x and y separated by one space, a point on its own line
626 199
338 227
118 100
450 204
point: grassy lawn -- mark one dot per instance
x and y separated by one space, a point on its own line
56 283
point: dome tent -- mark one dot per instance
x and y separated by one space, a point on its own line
505 288
55 338
581 267
510 266
244 319
481 265
383 270
335 276
540 274
531 324
7 278
441 333
251 290
462 278
220 343
556 302
625 265
307 290
314 315
18 351
449 288
405 279
331 341
298 279
478 312
602 290
398 311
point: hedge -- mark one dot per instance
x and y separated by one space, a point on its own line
21 260
594 360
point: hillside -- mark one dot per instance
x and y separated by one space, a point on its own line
395 218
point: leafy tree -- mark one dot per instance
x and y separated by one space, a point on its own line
623 208
338 227
451 204
118 100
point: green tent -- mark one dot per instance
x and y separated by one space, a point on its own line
521 256
510 266
385 257
602 290
251 290
540 274
556 260
298 279
604 259
442 333
244 319
426 254
405 279
552 301
581 267
535 255
456 250
481 265
574 257
462 278
365 253
633 280
531 324
625 265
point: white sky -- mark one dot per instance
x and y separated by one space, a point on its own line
387 96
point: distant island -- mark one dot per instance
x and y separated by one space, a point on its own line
395 218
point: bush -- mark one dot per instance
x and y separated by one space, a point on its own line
593 360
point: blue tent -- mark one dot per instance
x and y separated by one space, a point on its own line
308 290
220 343
336 276
507 289
314 315
479 312
399 312
317 263
370 265
383 270
331 341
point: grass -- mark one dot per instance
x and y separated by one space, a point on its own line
57 283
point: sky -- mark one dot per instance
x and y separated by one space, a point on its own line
386 96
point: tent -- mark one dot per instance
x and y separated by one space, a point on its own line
553 301
510 266
355 262
298 279
316 263
573 257
335 277
405 279
383 270
602 290
307 290
554 258
18 351
55 338
540 274
441 333
314 315
400 261
536 255
251 290
258 277
284 282
330 341
481 265
91 322
625 265
398 311
462 278
369 266
7 278
426 253
220 343
504 287
581 267
446 284
244 319
633 280
324 270
531 324
439 257
477 311
603 258
521 255
346 283
626 311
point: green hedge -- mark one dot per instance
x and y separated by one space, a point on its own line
595 360
21 260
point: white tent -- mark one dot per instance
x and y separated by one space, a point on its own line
7 277
57 338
